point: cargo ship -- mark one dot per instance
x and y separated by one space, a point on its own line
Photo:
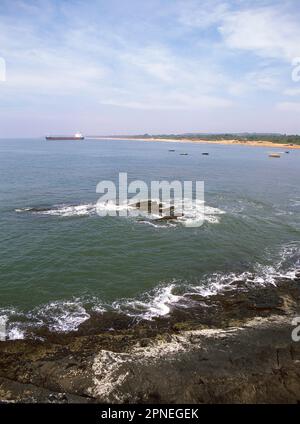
77 137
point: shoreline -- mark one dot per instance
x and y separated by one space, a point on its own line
237 348
199 141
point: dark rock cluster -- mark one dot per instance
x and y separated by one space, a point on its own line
235 346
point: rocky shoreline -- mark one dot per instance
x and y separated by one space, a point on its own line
235 346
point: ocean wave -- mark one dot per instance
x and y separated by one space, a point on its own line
190 213
66 316
63 316
61 210
59 316
10 330
295 202
150 305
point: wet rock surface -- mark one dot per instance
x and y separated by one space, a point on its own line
158 208
235 346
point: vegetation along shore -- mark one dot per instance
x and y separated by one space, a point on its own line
245 139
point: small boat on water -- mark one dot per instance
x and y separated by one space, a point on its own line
274 155
205 154
77 137
183 154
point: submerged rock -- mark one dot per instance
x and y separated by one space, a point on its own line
36 209
167 218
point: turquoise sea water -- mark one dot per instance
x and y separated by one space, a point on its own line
59 259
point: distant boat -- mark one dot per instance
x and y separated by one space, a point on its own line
183 154
274 155
77 137
205 154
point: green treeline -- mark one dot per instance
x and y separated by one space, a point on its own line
275 138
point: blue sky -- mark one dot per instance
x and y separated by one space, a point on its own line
157 66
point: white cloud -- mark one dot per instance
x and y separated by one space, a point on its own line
174 101
202 14
266 31
154 61
109 69
292 92
269 31
289 106
156 78
264 79
188 55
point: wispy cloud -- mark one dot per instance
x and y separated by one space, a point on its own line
202 14
203 57
292 91
267 31
289 106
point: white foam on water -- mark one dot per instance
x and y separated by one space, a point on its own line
290 251
69 211
61 316
262 275
65 316
155 304
3 330
295 202
15 333
166 224
212 285
9 330
112 207
199 212
62 210
20 210
195 212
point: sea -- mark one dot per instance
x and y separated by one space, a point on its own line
60 261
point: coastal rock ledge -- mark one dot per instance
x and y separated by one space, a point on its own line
251 360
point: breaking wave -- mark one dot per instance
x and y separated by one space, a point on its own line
152 304
61 210
190 213
66 316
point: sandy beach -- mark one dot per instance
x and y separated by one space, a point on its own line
224 142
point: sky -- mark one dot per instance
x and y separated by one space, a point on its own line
156 66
